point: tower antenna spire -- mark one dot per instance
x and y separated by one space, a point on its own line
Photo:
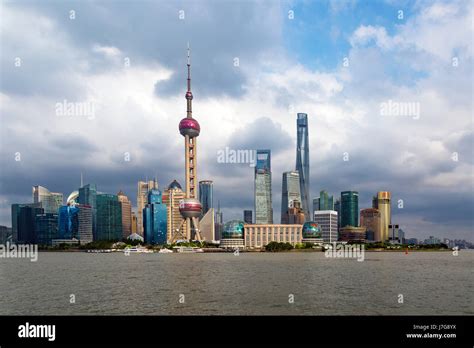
189 94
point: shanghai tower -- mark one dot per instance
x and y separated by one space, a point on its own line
302 161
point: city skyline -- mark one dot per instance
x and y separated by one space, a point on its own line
419 171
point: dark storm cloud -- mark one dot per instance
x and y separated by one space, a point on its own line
152 32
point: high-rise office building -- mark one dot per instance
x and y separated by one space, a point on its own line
84 218
263 188
126 206
248 216
327 221
50 201
205 195
88 196
155 219
218 223
23 229
68 222
326 202
294 214
337 207
302 161
290 191
176 226
384 206
143 188
349 209
134 222
46 228
109 217
370 219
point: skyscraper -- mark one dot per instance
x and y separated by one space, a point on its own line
302 161
126 214
248 216
337 207
206 195
88 196
175 224
155 219
290 191
46 228
327 220
384 207
142 199
349 209
75 222
109 217
218 223
190 207
370 219
263 188
50 201
23 228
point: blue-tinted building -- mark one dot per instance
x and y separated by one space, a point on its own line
109 217
263 188
68 222
349 209
206 195
155 219
302 161
46 228
23 230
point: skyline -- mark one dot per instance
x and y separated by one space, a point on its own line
423 174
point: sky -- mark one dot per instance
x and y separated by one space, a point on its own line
255 64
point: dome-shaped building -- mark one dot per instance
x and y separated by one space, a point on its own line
72 199
174 186
233 234
312 233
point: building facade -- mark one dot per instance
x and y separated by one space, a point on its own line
143 187
176 226
248 216
352 234
327 221
46 228
126 207
349 208
295 214
257 236
290 191
155 219
23 230
109 217
302 160
50 201
371 220
383 204
88 196
263 188
206 195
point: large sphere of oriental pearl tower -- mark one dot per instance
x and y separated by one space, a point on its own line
190 207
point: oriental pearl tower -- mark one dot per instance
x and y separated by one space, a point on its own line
190 207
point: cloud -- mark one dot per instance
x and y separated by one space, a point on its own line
252 105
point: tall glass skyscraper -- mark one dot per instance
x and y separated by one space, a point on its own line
50 201
46 228
88 196
23 228
142 199
68 222
302 161
290 191
263 188
109 217
206 195
323 202
349 208
155 219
